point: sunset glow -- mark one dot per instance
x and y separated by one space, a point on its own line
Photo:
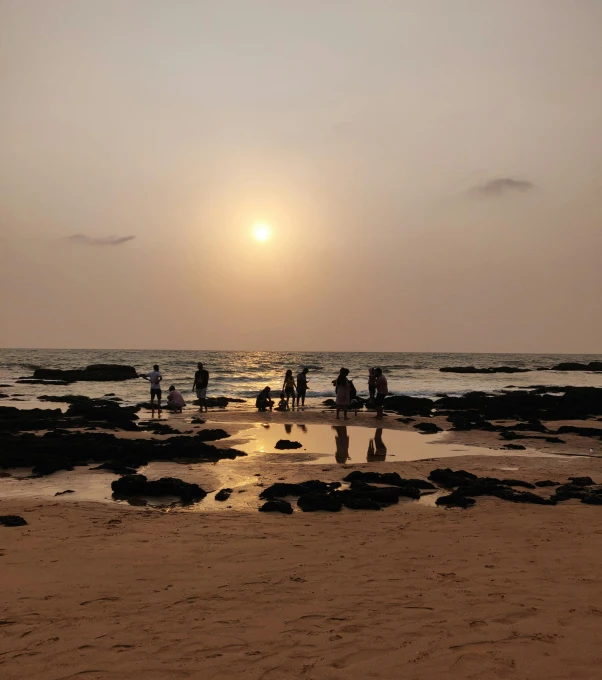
262 232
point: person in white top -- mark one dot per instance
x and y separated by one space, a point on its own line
175 400
155 378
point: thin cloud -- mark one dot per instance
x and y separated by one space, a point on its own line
106 241
502 185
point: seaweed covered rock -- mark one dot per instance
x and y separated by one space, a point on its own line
281 489
391 478
455 500
313 502
450 478
409 406
139 485
277 506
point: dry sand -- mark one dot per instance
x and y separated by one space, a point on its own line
99 591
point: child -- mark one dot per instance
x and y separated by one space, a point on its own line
263 401
283 403
175 400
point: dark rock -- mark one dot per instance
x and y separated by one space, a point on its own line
66 398
34 381
219 402
554 440
409 406
4 396
62 493
96 372
312 502
593 499
564 492
382 494
281 489
158 428
427 428
582 481
581 431
575 366
547 482
287 444
517 482
450 478
277 506
223 494
391 478
491 369
139 485
12 521
117 468
514 447
197 421
455 500
59 450
331 403
210 435
511 436
406 420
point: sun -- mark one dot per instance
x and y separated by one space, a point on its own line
262 232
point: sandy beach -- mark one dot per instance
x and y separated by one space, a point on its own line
504 590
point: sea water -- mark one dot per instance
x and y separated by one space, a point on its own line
243 374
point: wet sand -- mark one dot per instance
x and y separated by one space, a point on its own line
101 590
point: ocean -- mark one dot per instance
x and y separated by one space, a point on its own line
244 374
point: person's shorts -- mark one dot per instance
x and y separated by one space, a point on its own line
301 393
290 392
202 393
156 393
380 399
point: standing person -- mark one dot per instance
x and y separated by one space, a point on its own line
343 391
302 387
201 380
288 387
155 378
382 389
372 384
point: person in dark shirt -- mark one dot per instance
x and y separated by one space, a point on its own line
201 380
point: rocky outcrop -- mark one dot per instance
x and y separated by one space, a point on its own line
491 369
575 366
95 372
277 506
60 450
390 478
409 406
282 489
138 485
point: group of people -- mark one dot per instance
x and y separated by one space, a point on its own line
175 400
294 390
346 394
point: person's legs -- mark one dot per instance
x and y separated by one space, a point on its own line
338 411
345 409
380 399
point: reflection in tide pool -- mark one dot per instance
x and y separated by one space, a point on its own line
349 444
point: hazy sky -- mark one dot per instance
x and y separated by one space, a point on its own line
431 171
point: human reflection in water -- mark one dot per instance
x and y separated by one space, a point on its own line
303 428
159 412
341 440
288 428
377 451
